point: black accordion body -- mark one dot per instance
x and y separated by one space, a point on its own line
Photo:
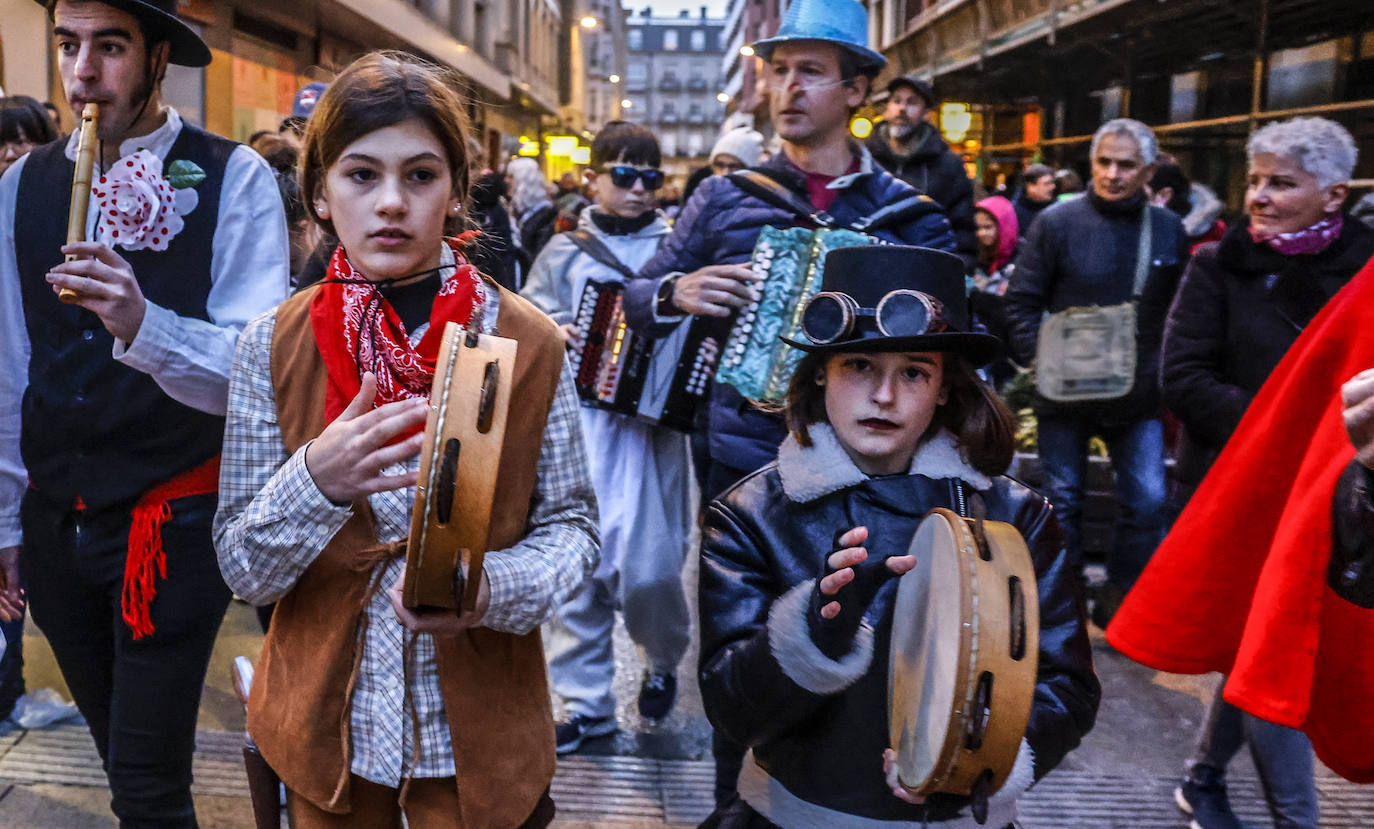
660 380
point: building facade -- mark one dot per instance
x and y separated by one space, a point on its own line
673 84
1045 74
595 42
747 21
504 52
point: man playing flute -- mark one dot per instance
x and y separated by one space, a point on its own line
109 443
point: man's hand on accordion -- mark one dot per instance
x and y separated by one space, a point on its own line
441 622
349 458
715 290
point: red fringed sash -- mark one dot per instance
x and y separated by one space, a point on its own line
146 559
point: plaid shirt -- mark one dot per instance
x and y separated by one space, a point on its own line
273 521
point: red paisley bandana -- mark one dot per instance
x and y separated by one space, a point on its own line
357 331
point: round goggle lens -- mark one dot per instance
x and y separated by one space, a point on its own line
826 319
904 315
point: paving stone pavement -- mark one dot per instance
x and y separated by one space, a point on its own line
1122 776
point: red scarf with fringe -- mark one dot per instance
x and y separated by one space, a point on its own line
1239 586
358 331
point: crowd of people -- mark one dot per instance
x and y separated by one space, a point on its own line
228 381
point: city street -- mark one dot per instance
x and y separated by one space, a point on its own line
1122 776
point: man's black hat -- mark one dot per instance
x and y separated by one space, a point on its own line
922 87
869 273
160 16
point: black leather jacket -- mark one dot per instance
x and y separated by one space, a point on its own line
762 541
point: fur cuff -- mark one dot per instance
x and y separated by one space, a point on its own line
790 642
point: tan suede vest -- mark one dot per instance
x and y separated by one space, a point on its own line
494 685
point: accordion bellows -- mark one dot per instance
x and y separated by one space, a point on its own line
755 361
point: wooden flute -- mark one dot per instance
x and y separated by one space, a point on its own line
81 186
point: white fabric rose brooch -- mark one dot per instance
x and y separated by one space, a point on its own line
139 207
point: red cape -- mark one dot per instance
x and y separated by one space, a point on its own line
1239 585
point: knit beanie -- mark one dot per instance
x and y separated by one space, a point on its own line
741 142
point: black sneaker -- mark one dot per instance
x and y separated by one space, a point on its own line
1203 795
569 735
1107 599
657 695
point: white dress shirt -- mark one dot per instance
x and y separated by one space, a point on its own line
188 358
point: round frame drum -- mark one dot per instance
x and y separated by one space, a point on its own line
965 648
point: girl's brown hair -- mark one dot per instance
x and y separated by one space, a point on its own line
378 90
979 420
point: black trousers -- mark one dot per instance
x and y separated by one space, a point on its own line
140 698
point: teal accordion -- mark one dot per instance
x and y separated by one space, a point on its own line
791 261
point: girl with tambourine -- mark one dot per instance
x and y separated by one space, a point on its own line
365 709
887 420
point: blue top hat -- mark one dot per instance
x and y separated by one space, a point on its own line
841 22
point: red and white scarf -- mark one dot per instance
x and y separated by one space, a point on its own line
358 331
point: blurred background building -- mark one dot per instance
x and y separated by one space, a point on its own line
506 53
673 83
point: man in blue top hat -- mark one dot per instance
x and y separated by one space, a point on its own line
819 70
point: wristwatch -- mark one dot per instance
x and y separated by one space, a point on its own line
663 299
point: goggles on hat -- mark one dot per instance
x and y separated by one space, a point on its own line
831 316
623 176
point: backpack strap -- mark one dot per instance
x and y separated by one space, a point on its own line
768 189
896 213
596 249
1142 255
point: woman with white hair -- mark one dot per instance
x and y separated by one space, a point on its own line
534 210
1242 302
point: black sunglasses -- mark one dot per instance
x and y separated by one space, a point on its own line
832 316
623 176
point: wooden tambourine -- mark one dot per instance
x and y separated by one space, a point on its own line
464 435
965 634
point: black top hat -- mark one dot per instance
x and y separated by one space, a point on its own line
921 86
869 273
160 16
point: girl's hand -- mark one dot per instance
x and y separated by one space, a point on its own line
347 459
890 771
441 622
1357 402
844 594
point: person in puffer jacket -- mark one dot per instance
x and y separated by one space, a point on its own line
703 266
820 70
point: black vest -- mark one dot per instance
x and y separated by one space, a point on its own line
93 427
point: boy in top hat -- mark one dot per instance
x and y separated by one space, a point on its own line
819 70
109 442
887 420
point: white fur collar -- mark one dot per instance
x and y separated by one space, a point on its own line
824 466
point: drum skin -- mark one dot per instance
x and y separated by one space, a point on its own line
965 633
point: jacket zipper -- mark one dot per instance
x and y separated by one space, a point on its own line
961 505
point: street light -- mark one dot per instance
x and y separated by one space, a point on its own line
614 79
722 97
589 22
626 103
747 51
